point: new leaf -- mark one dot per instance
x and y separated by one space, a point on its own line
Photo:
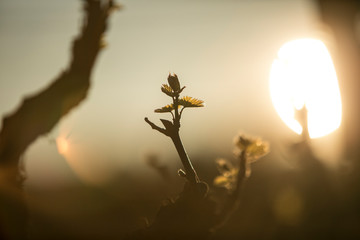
190 102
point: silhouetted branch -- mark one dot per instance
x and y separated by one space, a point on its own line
171 129
38 114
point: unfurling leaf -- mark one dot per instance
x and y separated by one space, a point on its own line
182 89
167 108
191 102
174 82
167 90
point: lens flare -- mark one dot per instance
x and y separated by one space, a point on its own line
304 75
85 159
62 145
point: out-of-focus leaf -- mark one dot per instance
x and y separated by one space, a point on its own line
223 166
242 142
167 108
257 149
167 90
190 102
254 147
228 174
222 181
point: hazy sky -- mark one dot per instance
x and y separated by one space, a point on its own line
222 50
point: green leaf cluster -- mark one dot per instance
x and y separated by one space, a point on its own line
248 150
228 174
173 90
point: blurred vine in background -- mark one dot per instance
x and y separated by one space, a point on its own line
247 150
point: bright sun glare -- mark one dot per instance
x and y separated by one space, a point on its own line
304 74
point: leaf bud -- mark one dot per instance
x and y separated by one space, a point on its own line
174 82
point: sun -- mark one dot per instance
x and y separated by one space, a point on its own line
303 74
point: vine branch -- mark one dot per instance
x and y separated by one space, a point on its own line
39 113
171 129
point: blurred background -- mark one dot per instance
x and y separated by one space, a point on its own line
93 176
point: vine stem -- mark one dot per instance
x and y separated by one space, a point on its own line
189 169
172 130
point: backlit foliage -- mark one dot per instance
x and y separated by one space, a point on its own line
247 150
191 102
228 174
254 147
173 90
167 90
167 108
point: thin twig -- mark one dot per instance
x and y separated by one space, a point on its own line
154 126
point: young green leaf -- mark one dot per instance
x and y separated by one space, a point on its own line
190 102
223 166
167 108
167 90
